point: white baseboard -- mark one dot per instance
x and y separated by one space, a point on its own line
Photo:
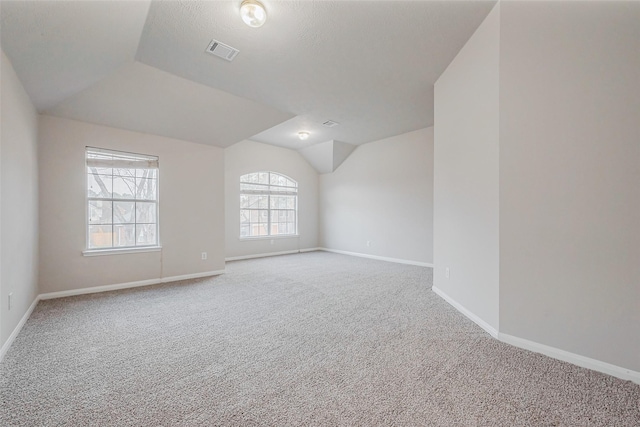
267 254
93 290
576 359
18 328
379 258
475 319
310 250
97 289
556 353
192 276
106 288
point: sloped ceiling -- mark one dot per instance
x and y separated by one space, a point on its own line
142 98
61 48
369 65
142 65
325 157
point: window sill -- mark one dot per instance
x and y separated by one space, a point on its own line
112 251
287 236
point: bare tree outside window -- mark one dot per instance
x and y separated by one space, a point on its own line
122 198
268 205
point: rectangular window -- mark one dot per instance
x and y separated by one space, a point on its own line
122 199
268 205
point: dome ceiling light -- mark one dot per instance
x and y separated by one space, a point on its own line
253 13
303 135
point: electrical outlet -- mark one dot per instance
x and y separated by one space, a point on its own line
447 272
204 256
368 243
272 242
10 300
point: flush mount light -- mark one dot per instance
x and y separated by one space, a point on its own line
253 13
303 135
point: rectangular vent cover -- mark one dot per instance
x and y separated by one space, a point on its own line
330 123
222 50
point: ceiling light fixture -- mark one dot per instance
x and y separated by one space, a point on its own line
253 13
303 135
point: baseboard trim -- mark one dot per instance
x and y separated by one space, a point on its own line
128 285
310 250
268 254
474 318
576 359
94 290
379 258
556 353
192 276
98 289
18 328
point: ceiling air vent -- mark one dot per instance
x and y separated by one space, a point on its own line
222 50
330 123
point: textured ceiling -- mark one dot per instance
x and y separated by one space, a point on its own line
142 98
325 157
60 48
369 65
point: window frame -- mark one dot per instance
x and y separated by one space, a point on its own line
136 248
268 193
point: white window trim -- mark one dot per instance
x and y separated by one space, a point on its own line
153 161
120 251
269 194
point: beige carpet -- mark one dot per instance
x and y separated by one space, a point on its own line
310 339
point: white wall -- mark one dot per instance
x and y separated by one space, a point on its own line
570 177
382 193
248 156
191 190
19 206
567 166
466 228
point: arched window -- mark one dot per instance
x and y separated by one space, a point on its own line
268 205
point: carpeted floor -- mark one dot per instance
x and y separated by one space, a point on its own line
309 339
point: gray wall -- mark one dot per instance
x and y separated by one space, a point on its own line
567 164
191 184
19 201
466 228
248 156
382 193
570 177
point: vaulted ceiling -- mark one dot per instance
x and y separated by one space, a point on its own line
139 65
